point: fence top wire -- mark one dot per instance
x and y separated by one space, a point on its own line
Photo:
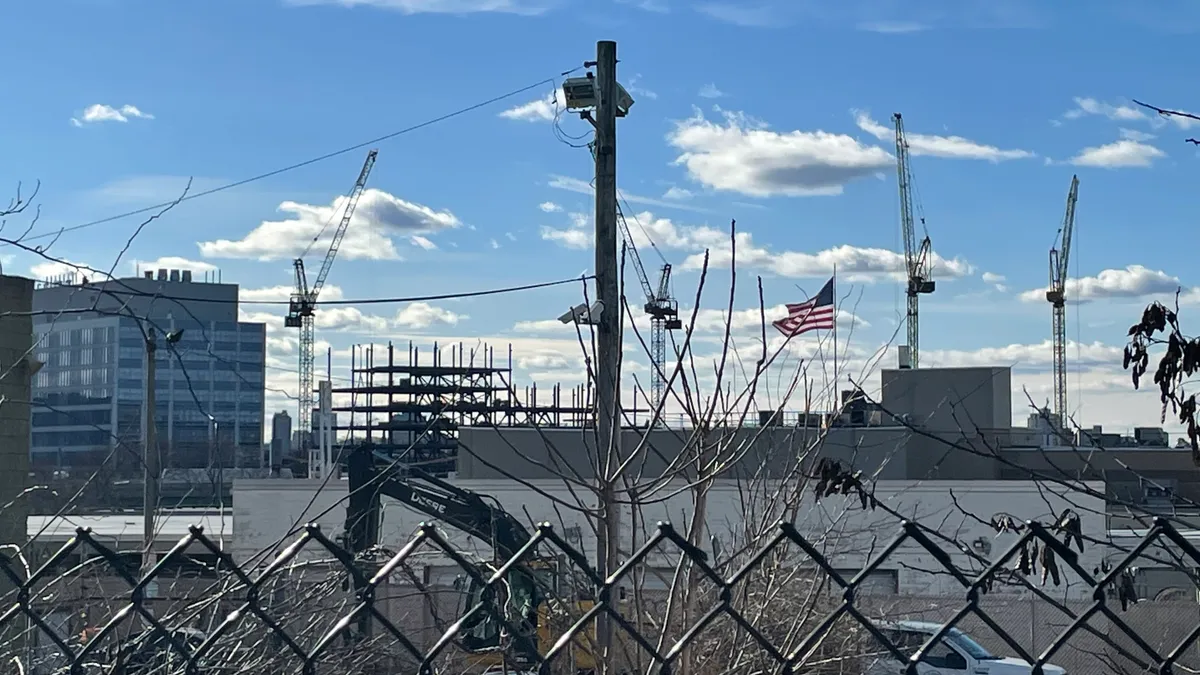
277 619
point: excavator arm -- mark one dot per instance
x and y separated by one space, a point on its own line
460 509
372 474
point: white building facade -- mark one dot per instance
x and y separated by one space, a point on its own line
849 536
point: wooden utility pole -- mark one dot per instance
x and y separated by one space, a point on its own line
608 338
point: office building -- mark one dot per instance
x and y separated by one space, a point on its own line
281 436
88 398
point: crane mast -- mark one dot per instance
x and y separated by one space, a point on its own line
663 311
1056 294
917 258
303 303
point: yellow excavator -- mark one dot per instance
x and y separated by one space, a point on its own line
534 598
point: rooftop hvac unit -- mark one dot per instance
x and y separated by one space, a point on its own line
174 275
162 275
187 277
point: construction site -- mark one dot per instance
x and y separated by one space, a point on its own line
492 411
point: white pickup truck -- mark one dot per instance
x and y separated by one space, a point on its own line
956 654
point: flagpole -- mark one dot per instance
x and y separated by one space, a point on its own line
836 402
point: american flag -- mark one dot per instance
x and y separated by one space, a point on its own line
814 314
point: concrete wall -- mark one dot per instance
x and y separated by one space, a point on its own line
264 511
951 400
965 411
16 357
1125 471
493 453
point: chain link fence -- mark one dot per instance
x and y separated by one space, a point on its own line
777 606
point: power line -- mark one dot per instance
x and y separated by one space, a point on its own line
307 162
363 301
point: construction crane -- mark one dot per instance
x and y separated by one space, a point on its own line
303 303
663 310
917 259
1056 294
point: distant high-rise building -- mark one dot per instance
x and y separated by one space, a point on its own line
208 386
281 436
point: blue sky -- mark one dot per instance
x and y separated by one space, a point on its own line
115 103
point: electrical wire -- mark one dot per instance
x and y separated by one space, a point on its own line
307 162
362 301
323 303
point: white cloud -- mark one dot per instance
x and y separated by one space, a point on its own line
638 91
576 238
99 112
1095 354
740 14
550 207
349 320
421 315
1086 106
950 147
656 6
422 242
1118 113
1120 154
53 269
1135 281
339 319
710 91
1179 120
996 280
1135 135
853 263
584 187
678 193
494 244
893 27
379 216
283 294
743 155
437 6
543 109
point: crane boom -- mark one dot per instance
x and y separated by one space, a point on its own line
917 258
1056 294
303 303
662 309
